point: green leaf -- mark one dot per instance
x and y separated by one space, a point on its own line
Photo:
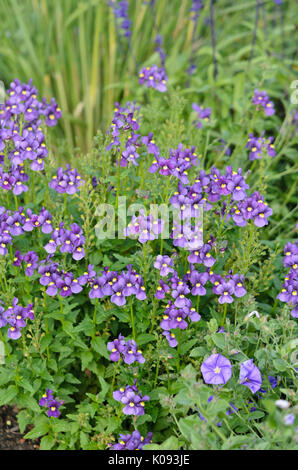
39 430
7 395
219 340
185 347
24 419
198 352
45 342
188 425
86 358
104 388
172 443
144 338
99 345
47 442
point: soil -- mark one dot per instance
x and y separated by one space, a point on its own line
10 435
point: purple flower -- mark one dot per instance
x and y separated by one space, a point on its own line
171 339
259 147
262 99
120 10
216 370
67 181
161 290
18 258
134 404
164 264
31 261
225 289
203 114
132 441
131 353
154 77
132 399
51 403
16 317
289 419
127 349
53 408
250 376
198 280
118 297
46 397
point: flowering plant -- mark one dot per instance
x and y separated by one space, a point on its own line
149 287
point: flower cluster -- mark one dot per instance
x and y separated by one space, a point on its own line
144 228
260 147
289 291
120 10
132 441
178 164
252 208
164 264
228 286
203 114
21 137
179 308
210 188
16 317
193 283
118 286
22 101
128 350
154 77
175 317
196 6
13 224
51 403
67 181
59 281
262 99
125 119
31 262
133 400
217 370
70 241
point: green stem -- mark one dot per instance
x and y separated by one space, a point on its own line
118 179
144 246
61 312
224 315
168 375
155 303
16 202
65 205
114 377
156 373
198 304
224 217
178 351
132 320
94 318
33 187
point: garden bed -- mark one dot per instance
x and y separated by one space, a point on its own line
10 436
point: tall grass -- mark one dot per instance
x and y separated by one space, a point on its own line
71 49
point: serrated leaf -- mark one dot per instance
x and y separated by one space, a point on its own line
39 430
47 442
7 395
99 345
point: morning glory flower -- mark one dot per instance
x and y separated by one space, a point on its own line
250 376
216 370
